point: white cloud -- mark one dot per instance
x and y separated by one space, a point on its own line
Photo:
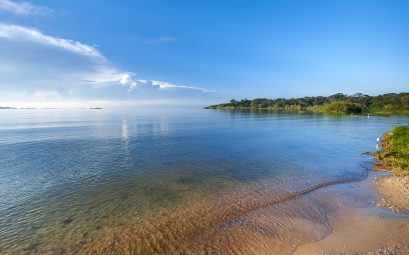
15 32
103 75
98 73
125 79
23 8
166 86
23 48
132 83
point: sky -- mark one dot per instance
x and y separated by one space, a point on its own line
131 53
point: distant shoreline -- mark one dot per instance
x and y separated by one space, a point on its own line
386 104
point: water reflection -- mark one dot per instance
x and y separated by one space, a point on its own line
124 131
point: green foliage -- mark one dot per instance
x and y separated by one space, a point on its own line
336 104
395 150
342 107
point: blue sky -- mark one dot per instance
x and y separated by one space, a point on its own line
110 53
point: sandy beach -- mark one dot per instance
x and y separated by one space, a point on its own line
395 192
362 231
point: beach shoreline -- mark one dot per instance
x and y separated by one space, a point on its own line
392 158
378 229
372 233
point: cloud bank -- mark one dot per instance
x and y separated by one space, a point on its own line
133 84
102 73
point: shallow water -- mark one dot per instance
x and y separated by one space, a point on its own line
154 181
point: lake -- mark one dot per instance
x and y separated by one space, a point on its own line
155 181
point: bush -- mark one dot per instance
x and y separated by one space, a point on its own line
343 107
395 150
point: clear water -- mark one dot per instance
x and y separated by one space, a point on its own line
73 181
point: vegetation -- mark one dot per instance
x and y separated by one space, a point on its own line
337 104
394 153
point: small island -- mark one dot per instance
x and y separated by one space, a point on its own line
339 103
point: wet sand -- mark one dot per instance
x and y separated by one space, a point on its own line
364 232
395 192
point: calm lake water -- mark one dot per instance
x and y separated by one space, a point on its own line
73 181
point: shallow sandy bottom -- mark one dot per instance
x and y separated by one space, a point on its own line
331 219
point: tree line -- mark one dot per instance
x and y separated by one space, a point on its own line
391 103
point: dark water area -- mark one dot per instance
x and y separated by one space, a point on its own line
154 181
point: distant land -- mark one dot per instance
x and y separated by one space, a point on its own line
339 103
6 107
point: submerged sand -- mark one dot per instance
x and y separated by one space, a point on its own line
330 218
